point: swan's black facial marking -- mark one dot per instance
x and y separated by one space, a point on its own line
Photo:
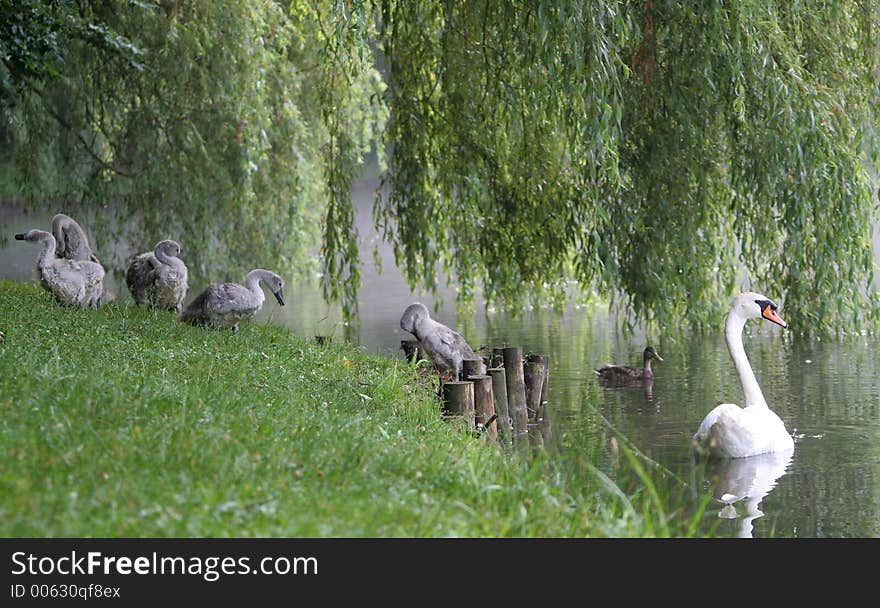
765 303
768 311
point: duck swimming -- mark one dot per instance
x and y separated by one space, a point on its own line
731 431
446 347
72 282
225 304
158 278
623 374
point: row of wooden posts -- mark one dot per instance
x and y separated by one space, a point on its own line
507 402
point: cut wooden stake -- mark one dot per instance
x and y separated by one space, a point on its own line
499 392
542 415
458 400
472 367
516 391
545 361
533 373
484 404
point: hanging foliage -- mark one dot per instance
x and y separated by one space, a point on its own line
657 153
654 151
235 128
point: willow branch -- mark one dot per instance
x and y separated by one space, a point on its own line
88 148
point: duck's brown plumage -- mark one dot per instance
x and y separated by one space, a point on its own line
624 373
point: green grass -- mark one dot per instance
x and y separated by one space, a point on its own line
123 422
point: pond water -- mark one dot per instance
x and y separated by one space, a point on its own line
826 392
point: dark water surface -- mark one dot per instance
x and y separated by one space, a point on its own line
826 392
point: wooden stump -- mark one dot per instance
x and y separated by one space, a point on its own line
458 400
545 360
516 391
499 392
544 421
484 405
472 367
542 415
533 374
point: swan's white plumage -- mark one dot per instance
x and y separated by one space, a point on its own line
748 480
731 431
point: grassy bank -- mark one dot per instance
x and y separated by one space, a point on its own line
123 422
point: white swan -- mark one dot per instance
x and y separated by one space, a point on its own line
225 304
72 282
730 431
158 278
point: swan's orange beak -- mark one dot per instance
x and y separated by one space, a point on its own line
771 315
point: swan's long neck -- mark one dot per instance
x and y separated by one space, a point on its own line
59 223
252 283
169 260
733 330
48 253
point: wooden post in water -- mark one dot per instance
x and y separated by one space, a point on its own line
458 400
544 421
542 416
516 392
499 392
472 367
533 375
484 405
545 361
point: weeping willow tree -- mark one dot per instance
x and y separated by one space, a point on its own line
653 151
226 125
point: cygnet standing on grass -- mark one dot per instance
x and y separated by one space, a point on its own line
447 348
158 278
225 304
72 282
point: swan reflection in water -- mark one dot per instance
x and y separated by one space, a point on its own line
748 480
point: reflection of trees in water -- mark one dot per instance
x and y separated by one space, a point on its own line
835 401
